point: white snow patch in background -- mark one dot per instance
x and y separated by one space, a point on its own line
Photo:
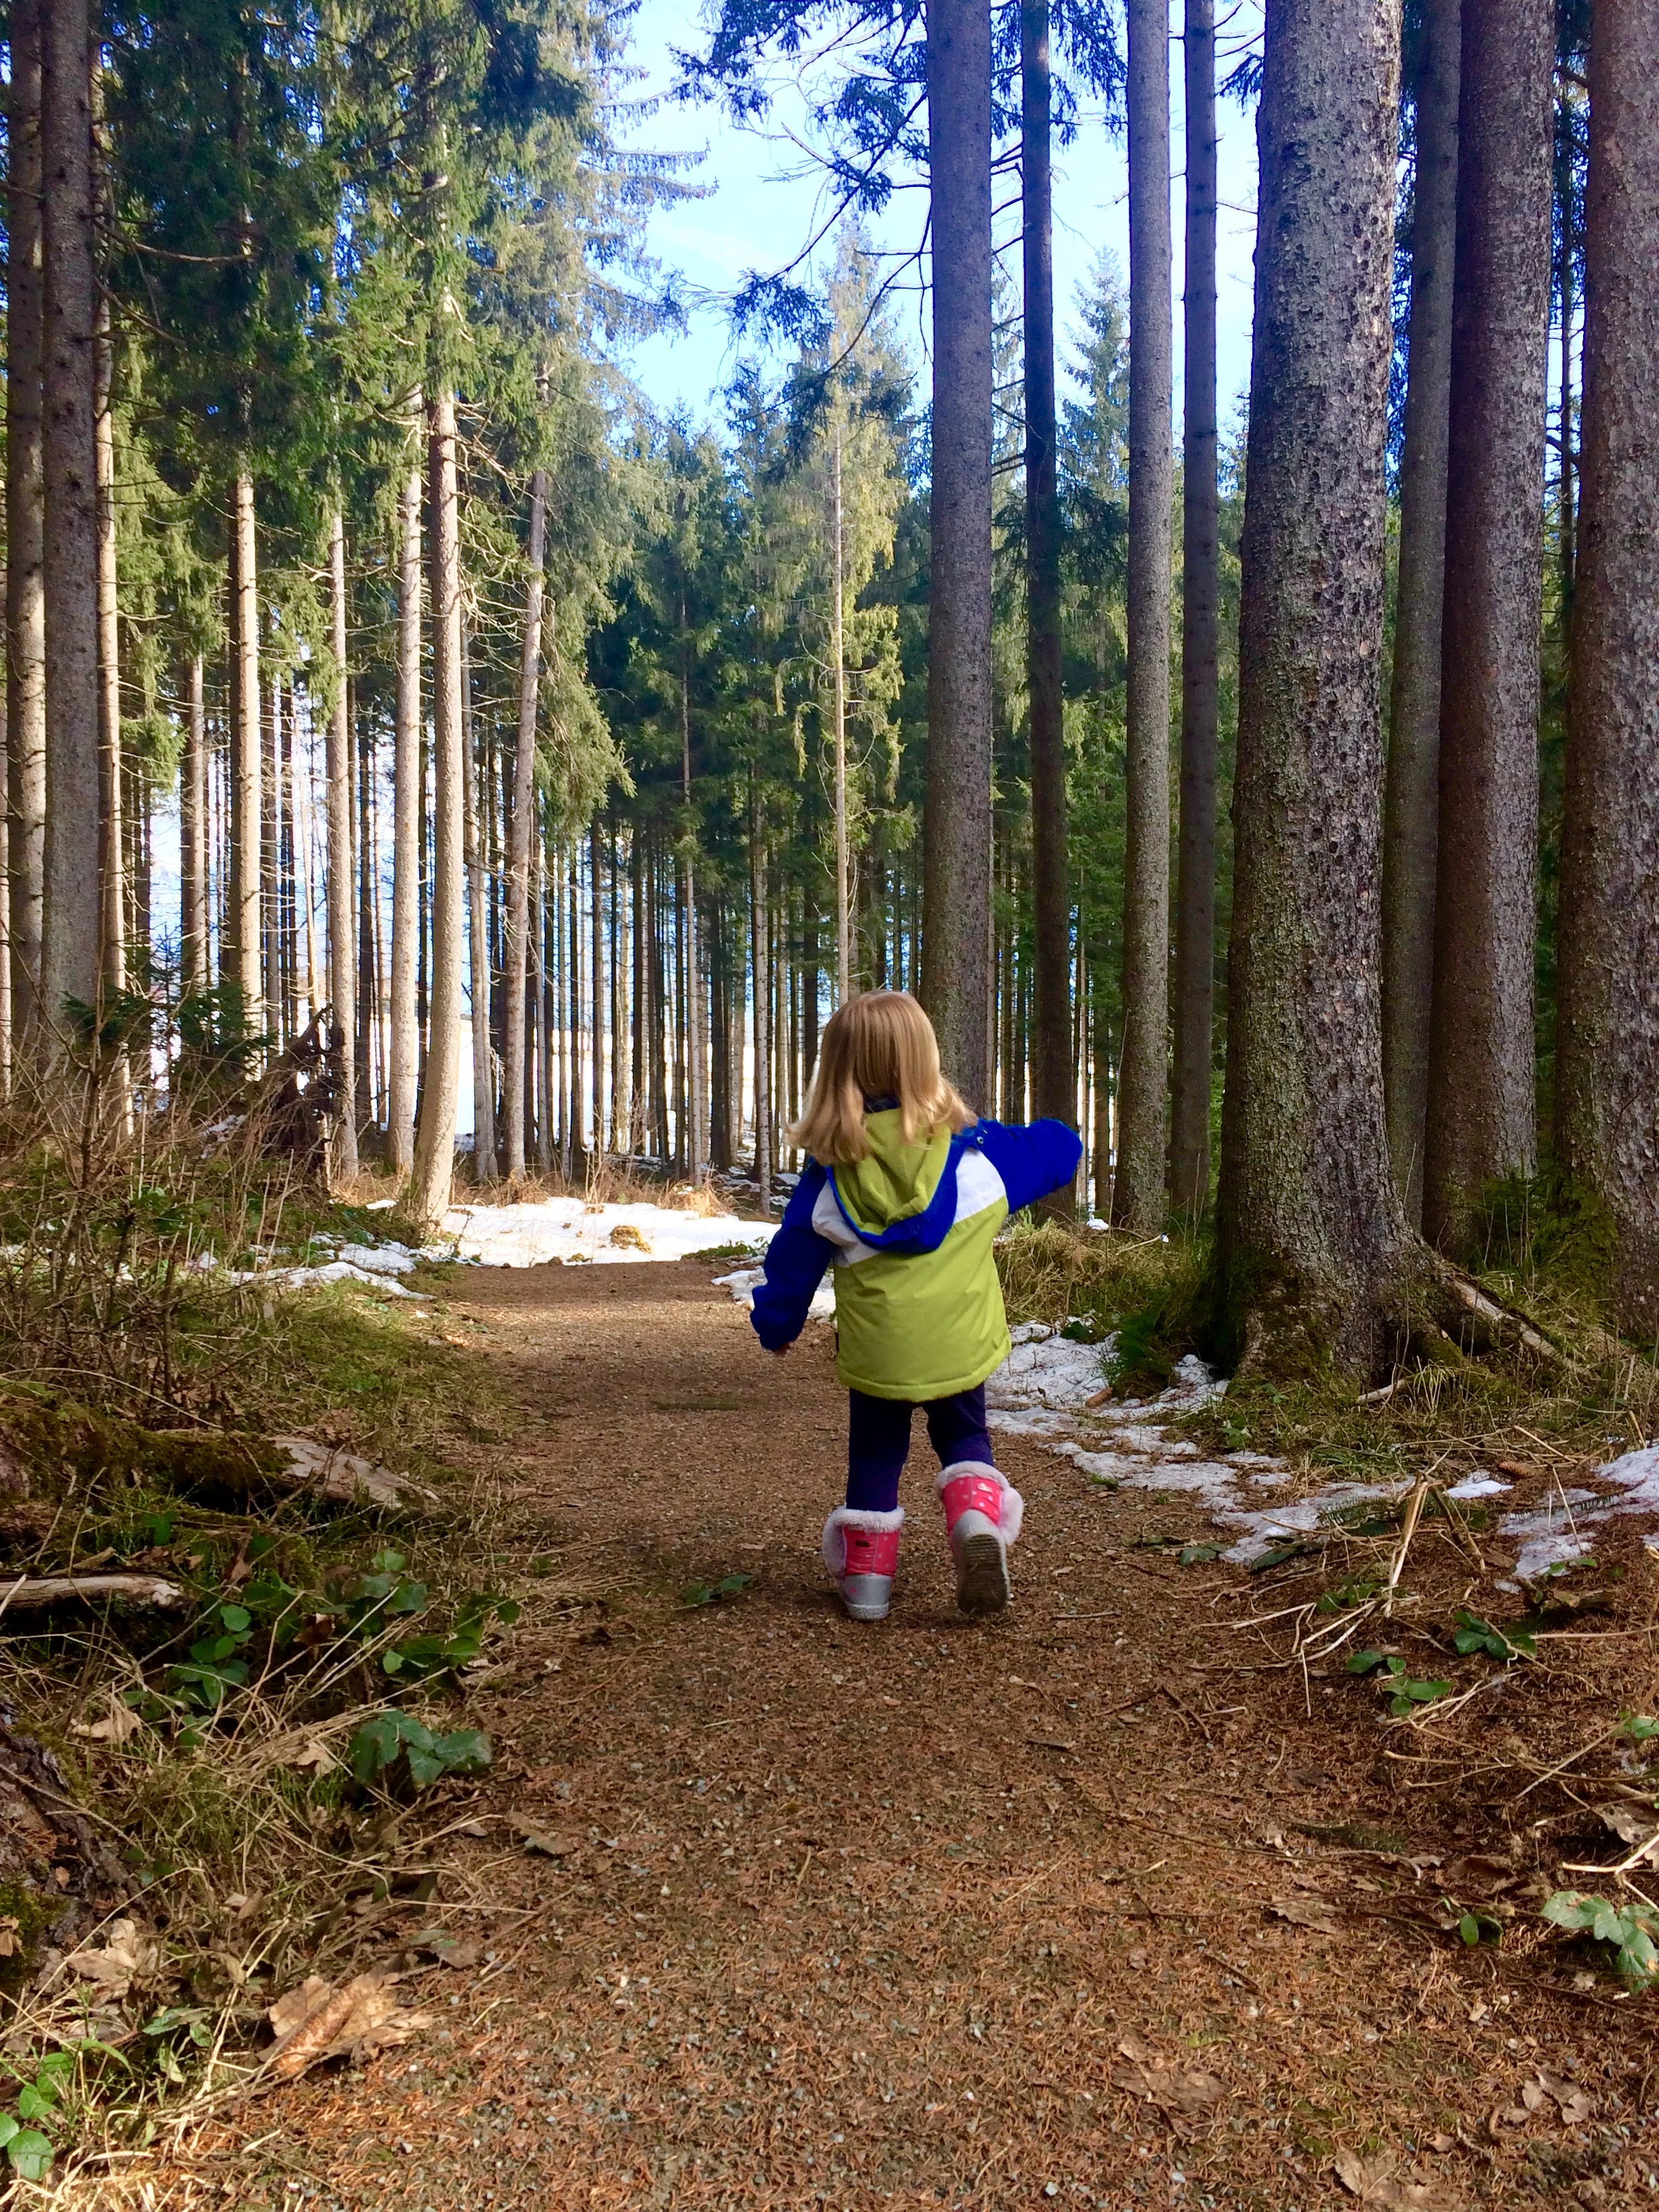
379 1259
742 1281
531 1235
331 1271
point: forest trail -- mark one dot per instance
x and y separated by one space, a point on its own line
931 1913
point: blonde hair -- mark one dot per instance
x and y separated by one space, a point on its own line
879 1045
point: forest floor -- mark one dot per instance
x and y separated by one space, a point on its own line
1100 1903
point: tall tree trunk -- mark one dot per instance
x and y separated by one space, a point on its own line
543 1042
1607 1050
956 825
1138 1187
341 933
287 864
70 957
270 807
26 610
572 967
761 974
696 1053
600 985
1411 803
112 861
239 930
1055 1088
520 821
838 653
368 877
483 1072
408 815
1201 587
433 1177
193 837
1482 1049
1313 1245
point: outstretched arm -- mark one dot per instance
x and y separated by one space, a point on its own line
794 1266
1031 1162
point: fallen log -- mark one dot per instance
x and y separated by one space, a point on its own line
36 1593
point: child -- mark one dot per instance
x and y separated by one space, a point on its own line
904 1192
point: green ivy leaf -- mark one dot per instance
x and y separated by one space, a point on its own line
31 2155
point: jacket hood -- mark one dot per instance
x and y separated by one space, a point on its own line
902 1196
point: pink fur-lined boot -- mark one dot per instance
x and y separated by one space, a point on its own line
982 1516
860 1550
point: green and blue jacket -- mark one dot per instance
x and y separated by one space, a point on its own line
908 1231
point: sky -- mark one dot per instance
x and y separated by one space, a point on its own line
761 203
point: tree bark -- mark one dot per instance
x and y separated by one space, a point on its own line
1313 1245
409 810
838 651
342 932
70 955
483 1072
1054 1088
544 1043
1482 1046
112 929
1411 803
761 974
193 837
598 984
1138 1186
433 1176
956 825
1607 1049
26 616
696 1054
240 928
519 823
1201 587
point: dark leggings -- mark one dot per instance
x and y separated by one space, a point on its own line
878 1441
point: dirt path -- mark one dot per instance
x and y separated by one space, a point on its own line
930 1913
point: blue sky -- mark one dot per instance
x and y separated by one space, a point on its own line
760 203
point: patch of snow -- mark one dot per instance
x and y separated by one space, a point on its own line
1264 1527
1557 1533
379 1258
1479 1484
331 1271
1047 1369
529 1235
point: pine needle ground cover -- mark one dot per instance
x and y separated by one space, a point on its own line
1139 1895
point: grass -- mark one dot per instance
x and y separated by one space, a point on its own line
1144 1290
209 1745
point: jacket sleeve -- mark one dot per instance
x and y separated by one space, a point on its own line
794 1266
1031 1162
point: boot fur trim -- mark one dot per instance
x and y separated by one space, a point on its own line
1014 1505
850 1516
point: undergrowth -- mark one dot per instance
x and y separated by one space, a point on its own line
1540 1255
227 1769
